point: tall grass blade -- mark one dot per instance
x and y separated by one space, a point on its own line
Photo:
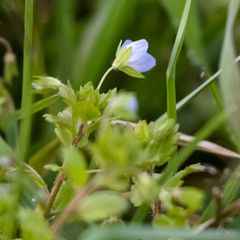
230 76
26 121
171 70
230 83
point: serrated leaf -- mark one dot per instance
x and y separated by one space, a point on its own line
131 72
86 111
143 132
102 205
177 179
74 166
68 94
190 197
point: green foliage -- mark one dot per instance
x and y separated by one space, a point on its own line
74 166
102 205
33 226
161 143
104 167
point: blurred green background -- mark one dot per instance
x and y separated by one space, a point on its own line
76 40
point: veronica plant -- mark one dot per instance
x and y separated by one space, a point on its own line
106 165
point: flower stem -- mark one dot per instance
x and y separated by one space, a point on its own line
26 121
103 77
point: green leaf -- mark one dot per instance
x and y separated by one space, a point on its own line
181 157
33 226
230 75
74 166
177 179
144 190
64 196
131 72
102 205
86 111
67 93
190 197
143 132
171 91
5 149
162 143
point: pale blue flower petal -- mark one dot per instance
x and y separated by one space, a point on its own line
140 46
143 63
127 42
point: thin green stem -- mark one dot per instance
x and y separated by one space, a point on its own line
26 121
103 77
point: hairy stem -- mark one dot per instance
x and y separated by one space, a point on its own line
60 177
56 186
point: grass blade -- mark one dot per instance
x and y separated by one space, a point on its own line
229 80
7 120
171 89
230 76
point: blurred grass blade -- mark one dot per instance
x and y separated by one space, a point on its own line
149 233
180 158
5 149
7 120
207 146
98 41
171 70
230 84
230 75
230 192
25 126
